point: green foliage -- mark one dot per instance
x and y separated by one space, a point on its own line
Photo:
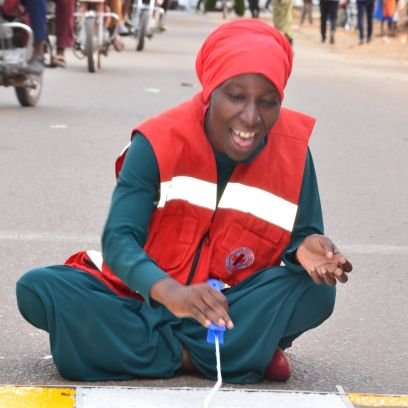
209 5
239 7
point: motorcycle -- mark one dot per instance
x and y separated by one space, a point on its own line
92 37
144 20
16 50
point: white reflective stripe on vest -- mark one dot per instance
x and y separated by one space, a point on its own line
96 258
260 203
195 191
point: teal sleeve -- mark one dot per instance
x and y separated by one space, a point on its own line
132 206
309 218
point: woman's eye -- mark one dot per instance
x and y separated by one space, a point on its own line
235 97
269 103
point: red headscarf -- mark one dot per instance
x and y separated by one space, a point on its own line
244 46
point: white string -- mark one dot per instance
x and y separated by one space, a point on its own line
217 385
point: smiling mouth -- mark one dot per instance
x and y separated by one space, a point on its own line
242 139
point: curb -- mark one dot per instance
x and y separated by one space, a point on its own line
152 397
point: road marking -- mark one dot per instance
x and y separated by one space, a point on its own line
38 397
343 395
194 397
374 249
377 400
184 397
380 249
47 237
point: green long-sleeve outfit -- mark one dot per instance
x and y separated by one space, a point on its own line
97 335
133 203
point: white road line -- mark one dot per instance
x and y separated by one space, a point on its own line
343 395
47 237
108 397
380 249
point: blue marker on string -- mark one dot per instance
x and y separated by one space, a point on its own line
215 335
214 330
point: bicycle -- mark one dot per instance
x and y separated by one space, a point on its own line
92 37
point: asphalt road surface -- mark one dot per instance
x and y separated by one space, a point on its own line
56 164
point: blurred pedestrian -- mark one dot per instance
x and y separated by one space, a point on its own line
365 10
282 17
254 8
385 13
116 7
328 12
64 30
307 11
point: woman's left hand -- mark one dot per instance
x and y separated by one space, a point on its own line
322 260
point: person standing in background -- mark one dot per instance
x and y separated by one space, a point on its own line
254 8
307 11
282 17
328 11
385 12
365 9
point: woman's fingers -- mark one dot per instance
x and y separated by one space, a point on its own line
208 305
216 307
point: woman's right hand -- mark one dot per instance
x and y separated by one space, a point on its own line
199 301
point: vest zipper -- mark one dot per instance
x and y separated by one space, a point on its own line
196 258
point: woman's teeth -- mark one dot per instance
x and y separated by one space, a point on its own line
243 135
243 139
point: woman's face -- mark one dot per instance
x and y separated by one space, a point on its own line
242 111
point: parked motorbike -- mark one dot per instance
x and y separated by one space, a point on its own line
16 50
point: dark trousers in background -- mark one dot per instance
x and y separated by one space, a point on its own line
328 11
365 9
254 8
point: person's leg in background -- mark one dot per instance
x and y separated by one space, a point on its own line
323 18
116 7
333 8
361 11
303 15
253 8
307 11
164 5
369 15
282 17
37 11
64 26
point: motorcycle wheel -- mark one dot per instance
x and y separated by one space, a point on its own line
30 96
141 33
91 49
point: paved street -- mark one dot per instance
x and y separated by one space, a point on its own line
57 175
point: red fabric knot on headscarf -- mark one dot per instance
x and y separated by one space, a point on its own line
244 46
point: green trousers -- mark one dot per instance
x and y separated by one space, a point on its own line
97 335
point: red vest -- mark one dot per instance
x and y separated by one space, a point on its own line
192 238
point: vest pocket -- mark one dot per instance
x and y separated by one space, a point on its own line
172 241
247 250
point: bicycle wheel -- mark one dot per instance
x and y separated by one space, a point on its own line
141 33
91 48
30 96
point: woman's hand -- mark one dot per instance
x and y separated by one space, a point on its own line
322 260
200 301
